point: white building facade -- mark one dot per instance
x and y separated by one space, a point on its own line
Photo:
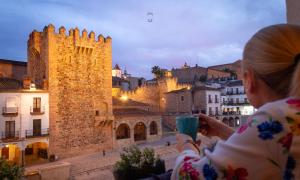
234 103
24 125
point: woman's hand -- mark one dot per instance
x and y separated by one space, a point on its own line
185 142
209 126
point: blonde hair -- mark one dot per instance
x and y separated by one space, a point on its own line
273 53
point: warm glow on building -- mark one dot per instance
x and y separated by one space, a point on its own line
124 97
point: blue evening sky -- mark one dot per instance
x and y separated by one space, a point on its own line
146 32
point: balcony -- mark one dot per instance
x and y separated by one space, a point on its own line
10 111
230 103
232 113
234 93
9 136
37 133
37 111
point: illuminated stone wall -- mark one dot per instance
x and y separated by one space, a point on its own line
78 70
154 95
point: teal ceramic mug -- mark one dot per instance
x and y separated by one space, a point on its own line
188 125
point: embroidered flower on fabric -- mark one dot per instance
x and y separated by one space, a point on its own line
238 173
209 172
268 128
294 102
286 141
294 125
187 171
250 123
290 166
242 128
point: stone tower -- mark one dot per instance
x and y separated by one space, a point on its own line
76 70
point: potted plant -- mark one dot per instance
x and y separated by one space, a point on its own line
136 164
10 171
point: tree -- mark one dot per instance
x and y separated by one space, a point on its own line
158 73
137 164
232 73
10 171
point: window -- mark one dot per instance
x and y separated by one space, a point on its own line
182 98
209 99
36 104
97 113
237 100
210 111
223 100
217 111
216 99
153 128
237 90
37 127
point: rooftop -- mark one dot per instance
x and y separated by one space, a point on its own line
234 83
19 63
204 88
133 112
129 102
10 84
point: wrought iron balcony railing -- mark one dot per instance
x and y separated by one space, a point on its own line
36 133
9 135
37 110
10 111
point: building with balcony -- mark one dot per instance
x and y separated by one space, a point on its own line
24 123
234 103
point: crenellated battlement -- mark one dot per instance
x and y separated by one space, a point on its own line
76 64
73 33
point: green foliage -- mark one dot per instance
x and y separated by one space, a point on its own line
158 73
135 164
232 73
10 171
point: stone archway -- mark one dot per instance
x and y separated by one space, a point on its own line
231 122
153 128
36 153
11 152
237 121
123 131
140 132
225 121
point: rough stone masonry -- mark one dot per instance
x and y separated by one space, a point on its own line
76 70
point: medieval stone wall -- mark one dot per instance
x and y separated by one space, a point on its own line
78 71
154 95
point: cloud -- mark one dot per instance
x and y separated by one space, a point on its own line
196 31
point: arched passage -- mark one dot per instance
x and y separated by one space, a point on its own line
139 132
153 128
231 122
11 152
123 131
225 120
36 153
237 121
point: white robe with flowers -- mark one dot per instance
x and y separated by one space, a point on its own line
266 147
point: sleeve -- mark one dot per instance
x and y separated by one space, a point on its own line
257 150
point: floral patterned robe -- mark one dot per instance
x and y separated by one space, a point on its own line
267 147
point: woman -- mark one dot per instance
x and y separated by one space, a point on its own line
268 146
